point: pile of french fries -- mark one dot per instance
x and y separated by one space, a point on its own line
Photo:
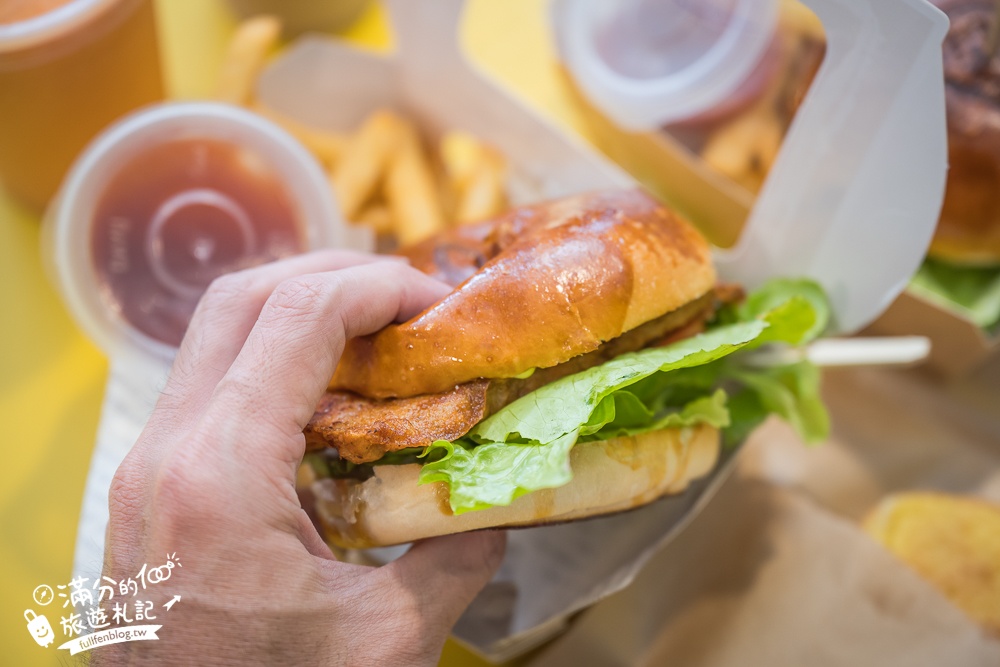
744 149
381 173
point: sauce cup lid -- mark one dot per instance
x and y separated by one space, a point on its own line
647 63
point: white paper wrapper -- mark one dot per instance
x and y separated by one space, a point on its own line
129 397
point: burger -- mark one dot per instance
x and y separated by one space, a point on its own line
583 365
968 231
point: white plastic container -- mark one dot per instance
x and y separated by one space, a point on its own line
71 221
853 196
648 63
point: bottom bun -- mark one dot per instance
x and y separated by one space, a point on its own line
608 476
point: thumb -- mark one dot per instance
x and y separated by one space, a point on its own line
444 574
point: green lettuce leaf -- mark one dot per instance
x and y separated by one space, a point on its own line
797 310
637 417
792 392
973 292
568 404
525 446
497 473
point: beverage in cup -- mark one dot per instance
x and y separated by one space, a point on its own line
68 68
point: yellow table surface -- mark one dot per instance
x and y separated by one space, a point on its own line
52 377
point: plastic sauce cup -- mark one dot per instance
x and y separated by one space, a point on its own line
649 63
170 198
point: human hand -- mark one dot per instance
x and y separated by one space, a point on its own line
212 478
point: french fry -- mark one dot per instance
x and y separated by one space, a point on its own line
744 149
461 153
484 194
364 161
304 476
412 193
446 191
327 146
253 41
378 217
476 175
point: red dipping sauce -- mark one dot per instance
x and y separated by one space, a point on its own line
179 215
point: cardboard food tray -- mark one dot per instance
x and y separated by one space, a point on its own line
958 345
548 573
328 84
720 207
672 170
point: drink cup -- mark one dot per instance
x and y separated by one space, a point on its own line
68 68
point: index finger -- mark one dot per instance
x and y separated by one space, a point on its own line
274 384
220 326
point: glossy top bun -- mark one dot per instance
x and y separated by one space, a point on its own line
539 285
